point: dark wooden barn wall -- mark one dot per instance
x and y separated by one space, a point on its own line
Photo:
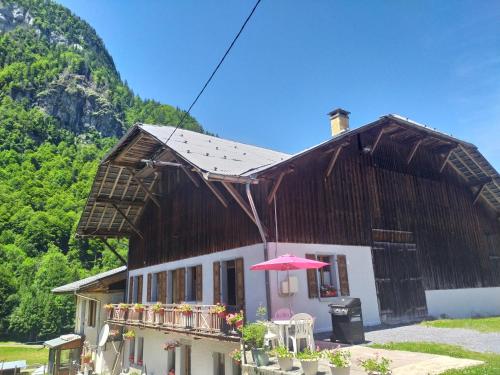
191 222
367 192
457 242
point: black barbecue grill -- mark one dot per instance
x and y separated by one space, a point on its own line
347 320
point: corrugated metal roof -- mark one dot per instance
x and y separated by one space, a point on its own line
12 365
80 284
212 154
62 340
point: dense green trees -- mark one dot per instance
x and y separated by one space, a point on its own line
55 72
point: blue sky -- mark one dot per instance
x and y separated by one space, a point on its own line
436 62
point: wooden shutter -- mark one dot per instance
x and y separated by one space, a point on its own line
148 290
312 279
199 284
217 283
343 279
130 289
181 283
139 289
161 283
240 282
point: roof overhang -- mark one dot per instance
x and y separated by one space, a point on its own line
63 342
105 282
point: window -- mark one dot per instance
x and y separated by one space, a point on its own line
328 281
92 313
131 351
219 363
135 289
178 285
140 351
229 282
187 359
194 284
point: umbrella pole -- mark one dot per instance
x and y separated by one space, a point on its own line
289 294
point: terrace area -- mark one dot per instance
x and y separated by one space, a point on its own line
197 320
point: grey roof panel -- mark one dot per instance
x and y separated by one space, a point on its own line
212 154
79 284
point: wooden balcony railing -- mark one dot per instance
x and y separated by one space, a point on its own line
201 320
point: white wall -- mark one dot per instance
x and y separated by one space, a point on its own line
463 303
361 282
202 362
255 290
104 356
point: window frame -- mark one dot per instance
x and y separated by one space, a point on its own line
334 275
92 313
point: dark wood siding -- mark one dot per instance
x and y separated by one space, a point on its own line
191 222
457 242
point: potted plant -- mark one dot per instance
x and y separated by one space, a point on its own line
122 310
285 357
158 309
109 310
235 320
376 366
87 358
129 335
339 361
236 356
219 310
171 345
309 360
253 336
138 308
185 309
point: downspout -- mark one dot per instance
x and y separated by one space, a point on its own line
264 241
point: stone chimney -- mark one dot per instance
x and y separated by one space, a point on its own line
339 121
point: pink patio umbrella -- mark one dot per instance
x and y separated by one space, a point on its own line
286 263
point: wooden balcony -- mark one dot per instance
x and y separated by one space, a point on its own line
201 321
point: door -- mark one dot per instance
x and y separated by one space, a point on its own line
400 291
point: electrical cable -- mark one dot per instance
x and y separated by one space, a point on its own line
186 113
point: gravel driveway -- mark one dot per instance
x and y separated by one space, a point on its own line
469 339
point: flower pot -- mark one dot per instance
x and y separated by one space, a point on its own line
221 314
260 357
309 367
340 370
286 364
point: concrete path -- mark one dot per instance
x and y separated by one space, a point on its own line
469 339
402 363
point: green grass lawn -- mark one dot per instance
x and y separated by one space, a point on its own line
491 366
478 324
33 354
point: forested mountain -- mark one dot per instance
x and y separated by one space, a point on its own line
62 106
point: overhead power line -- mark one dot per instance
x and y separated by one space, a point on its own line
184 116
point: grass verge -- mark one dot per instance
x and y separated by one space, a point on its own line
491 361
486 325
33 354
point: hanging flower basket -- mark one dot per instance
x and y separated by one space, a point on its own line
171 345
129 335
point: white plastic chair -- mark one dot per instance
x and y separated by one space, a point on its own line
301 327
283 314
273 335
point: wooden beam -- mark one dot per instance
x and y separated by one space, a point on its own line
478 194
216 192
113 250
377 140
413 151
333 161
123 152
191 176
446 159
239 199
132 225
144 187
275 188
117 201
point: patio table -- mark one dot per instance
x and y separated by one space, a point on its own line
283 325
